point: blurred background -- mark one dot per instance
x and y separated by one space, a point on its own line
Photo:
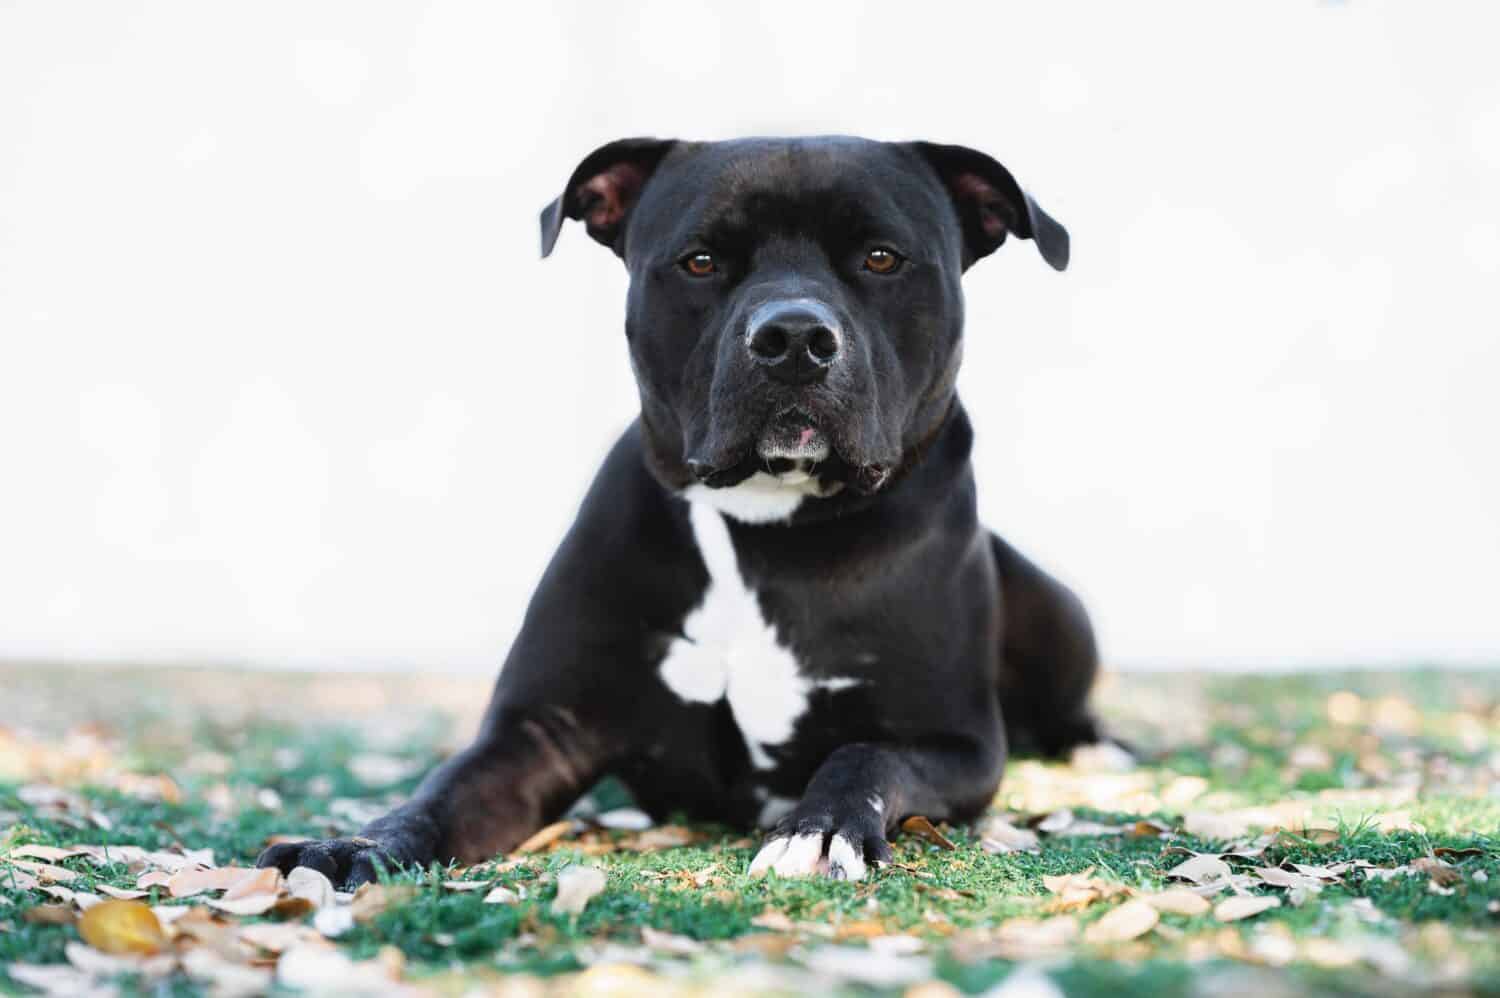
283 382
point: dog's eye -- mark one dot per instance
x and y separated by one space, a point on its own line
882 261
700 264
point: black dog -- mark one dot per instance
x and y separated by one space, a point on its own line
777 605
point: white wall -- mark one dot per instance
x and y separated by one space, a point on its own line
273 328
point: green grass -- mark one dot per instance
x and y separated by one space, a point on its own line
1425 746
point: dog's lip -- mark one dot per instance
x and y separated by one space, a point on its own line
795 434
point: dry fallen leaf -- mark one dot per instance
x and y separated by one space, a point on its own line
276 937
307 883
1213 826
1202 868
1178 902
667 942
225 978
1277 877
255 904
996 835
545 837
501 895
776 921
263 881
187 882
321 969
1439 872
45 872
47 854
1079 890
1129 921
121 893
576 887
661 837
922 828
50 914
1243 906
122 927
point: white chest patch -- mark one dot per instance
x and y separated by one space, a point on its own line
730 651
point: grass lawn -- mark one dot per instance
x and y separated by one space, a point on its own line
1385 788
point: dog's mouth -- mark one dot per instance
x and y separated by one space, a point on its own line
793 435
797 448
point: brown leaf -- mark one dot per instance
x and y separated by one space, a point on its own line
371 899
660 837
187 882
155 878
1129 921
776 921
996 835
1178 902
463 886
121 893
275 937
1243 906
667 942
122 927
46 872
545 837
50 914
862 929
305 882
922 828
1202 868
1449 852
224 976
576 887
263 881
255 904
1440 873
1277 877
47 854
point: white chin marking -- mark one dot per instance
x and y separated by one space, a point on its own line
845 861
761 498
802 858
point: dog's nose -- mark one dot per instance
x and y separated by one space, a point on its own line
795 342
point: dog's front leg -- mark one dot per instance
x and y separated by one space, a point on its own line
525 768
861 792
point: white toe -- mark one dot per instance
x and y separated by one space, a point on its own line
768 855
845 861
801 856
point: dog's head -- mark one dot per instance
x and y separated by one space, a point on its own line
794 306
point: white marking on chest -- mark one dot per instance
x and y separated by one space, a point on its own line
729 650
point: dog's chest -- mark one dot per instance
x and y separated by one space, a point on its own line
729 650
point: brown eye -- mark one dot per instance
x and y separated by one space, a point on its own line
699 264
882 261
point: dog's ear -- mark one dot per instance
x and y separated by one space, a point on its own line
991 205
603 189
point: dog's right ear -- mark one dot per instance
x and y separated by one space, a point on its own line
603 189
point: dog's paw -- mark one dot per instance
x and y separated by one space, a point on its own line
347 862
836 839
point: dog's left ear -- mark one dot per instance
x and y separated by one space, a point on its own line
991 205
603 189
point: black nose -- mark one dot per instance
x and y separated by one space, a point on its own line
795 342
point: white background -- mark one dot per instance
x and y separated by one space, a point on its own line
283 382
